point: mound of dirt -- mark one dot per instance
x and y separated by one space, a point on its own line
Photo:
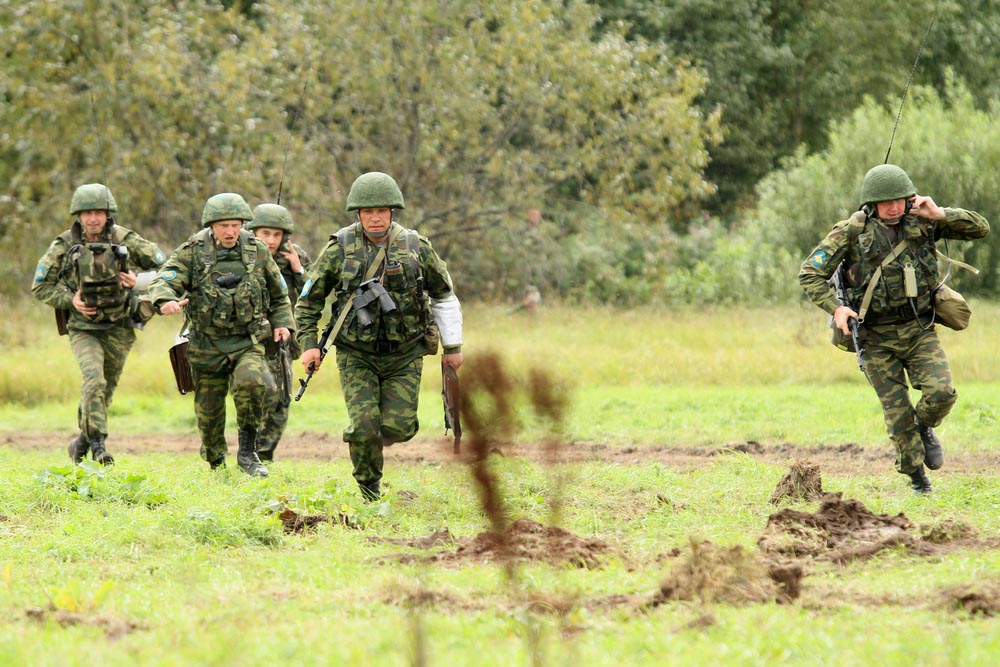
528 540
523 540
839 531
802 482
983 599
112 626
729 575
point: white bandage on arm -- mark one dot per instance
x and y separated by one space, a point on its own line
448 317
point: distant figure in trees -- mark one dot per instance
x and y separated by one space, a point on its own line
236 302
393 298
891 275
88 276
273 224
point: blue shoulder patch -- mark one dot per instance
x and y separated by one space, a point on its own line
819 258
306 288
39 273
159 258
168 275
284 285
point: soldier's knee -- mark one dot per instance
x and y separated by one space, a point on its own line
942 399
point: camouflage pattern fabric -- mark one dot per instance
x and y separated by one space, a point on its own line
275 417
380 366
57 279
100 344
225 355
893 353
214 374
101 357
898 349
275 412
381 393
341 271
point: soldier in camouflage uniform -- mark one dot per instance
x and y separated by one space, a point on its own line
273 225
89 272
898 337
236 301
396 297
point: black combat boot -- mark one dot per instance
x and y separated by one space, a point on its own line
933 456
919 481
371 492
217 463
101 455
78 448
246 456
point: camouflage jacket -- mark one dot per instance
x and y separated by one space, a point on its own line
412 271
295 281
57 277
232 316
864 242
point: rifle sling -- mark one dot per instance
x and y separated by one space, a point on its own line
372 269
867 300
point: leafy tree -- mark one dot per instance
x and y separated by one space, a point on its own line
480 110
781 71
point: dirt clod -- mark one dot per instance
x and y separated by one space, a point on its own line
802 482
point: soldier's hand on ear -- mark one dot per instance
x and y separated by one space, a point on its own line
293 258
925 207
173 307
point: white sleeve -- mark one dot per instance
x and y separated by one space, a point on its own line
448 317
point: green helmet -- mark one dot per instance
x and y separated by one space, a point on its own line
886 182
225 206
92 197
273 216
374 190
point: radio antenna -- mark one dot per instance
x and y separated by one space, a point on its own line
288 143
902 100
100 148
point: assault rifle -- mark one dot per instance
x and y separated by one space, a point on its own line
324 346
284 379
451 397
839 283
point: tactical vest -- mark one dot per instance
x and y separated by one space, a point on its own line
228 297
870 246
402 280
96 266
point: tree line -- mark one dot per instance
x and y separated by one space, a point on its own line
620 151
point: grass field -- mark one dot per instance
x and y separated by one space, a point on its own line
678 428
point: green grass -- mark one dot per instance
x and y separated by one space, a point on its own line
158 561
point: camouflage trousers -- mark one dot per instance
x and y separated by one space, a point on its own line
381 392
101 356
214 374
275 412
893 355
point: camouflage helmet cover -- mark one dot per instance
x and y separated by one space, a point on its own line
225 206
886 182
374 190
273 216
92 197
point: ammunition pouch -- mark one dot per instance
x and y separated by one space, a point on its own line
141 309
432 338
181 365
952 309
